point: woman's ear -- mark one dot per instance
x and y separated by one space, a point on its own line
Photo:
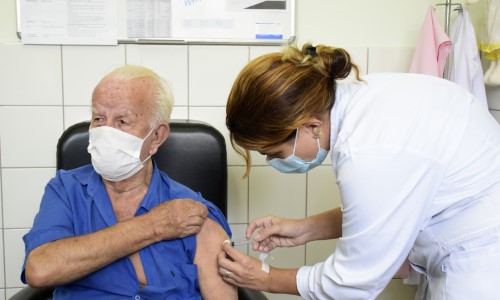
160 135
313 127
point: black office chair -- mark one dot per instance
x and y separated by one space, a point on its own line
194 154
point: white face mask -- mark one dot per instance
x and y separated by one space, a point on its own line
116 155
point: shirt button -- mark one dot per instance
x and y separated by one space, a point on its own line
137 297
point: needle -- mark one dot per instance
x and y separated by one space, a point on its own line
239 243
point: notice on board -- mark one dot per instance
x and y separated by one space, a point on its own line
70 22
207 19
230 19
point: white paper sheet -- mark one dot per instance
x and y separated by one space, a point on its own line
88 22
149 19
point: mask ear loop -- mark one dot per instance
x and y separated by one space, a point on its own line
295 143
317 134
143 140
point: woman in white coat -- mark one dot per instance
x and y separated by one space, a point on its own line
417 161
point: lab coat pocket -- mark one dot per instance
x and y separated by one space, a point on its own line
473 273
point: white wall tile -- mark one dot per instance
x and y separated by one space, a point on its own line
76 114
496 114
319 251
274 193
216 116
30 75
281 297
8 29
493 95
2 267
389 59
14 256
237 195
168 61
322 194
397 290
20 202
256 51
212 71
1 194
29 135
258 159
180 112
11 292
83 68
322 191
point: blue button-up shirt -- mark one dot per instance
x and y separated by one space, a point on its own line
75 203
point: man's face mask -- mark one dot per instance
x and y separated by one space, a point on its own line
294 164
115 154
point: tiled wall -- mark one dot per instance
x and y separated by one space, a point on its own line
45 89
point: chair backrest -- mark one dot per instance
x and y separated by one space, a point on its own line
194 154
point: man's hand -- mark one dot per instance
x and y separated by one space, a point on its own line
177 218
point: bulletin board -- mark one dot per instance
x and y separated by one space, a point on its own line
268 22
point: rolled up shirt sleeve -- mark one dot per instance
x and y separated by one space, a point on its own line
386 195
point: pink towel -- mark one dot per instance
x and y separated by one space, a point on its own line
432 48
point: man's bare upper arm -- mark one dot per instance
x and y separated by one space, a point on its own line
208 246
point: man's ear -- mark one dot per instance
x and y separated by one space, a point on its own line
160 135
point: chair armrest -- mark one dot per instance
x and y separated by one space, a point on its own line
29 293
249 294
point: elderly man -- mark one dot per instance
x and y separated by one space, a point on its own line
120 228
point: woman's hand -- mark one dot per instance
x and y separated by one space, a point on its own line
277 232
242 270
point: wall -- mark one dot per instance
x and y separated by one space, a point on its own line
44 89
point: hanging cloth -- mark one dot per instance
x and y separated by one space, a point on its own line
465 66
432 48
490 43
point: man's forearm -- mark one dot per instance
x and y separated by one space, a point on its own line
68 259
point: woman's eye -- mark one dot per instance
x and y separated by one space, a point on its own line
272 156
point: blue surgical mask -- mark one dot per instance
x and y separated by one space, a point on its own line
294 164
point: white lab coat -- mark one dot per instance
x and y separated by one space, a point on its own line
466 69
410 151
